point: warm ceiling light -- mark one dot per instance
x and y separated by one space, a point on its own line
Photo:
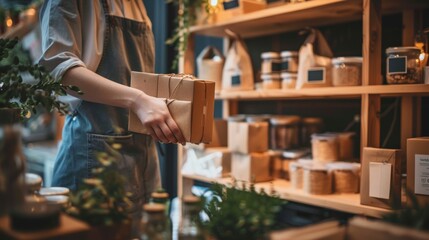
214 3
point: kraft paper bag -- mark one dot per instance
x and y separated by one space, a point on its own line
190 102
210 65
237 72
314 53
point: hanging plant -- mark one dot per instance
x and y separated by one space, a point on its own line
186 17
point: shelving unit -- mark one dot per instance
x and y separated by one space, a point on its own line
315 13
341 202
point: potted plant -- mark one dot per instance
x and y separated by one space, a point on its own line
241 213
23 88
102 200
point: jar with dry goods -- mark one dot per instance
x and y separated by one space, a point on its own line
271 81
288 80
346 143
284 132
347 71
271 62
317 179
310 126
403 65
296 172
345 177
289 61
325 147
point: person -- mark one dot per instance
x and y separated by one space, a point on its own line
95 45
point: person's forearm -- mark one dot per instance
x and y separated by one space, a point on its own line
98 89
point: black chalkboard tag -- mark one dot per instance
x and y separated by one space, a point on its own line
316 75
231 4
235 80
397 65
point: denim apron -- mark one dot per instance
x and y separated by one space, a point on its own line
128 46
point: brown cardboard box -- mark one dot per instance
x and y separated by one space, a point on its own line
362 228
330 230
246 137
190 101
379 155
254 167
418 156
219 136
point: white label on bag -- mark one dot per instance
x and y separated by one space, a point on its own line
316 75
421 177
379 179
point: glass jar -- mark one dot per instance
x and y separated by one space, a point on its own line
155 225
271 62
345 177
271 81
347 71
310 126
289 80
190 227
403 65
289 61
317 179
325 147
284 132
346 141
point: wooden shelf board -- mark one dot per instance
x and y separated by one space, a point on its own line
328 92
341 202
296 16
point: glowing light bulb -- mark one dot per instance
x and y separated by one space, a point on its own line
9 22
214 3
31 11
422 56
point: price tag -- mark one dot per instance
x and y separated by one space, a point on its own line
231 4
421 178
397 65
379 179
316 75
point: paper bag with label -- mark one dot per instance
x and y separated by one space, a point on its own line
237 72
381 177
418 169
314 69
190 101
210 65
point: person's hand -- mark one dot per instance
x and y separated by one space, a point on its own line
156 118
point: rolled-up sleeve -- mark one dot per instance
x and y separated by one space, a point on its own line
61 31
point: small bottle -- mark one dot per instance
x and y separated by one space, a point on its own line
155 225
190 226
161 197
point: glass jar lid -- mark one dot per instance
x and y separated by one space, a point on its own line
154 208
270 76
344 166
340 60
270 55
288 75
237 118
285 54
258 118
285 120
324 136
312 120
402 50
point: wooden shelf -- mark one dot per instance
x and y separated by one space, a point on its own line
296 16
341 202
328 92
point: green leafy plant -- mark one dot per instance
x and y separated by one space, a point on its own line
102 200
241 213
26 86
186 16
414 216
